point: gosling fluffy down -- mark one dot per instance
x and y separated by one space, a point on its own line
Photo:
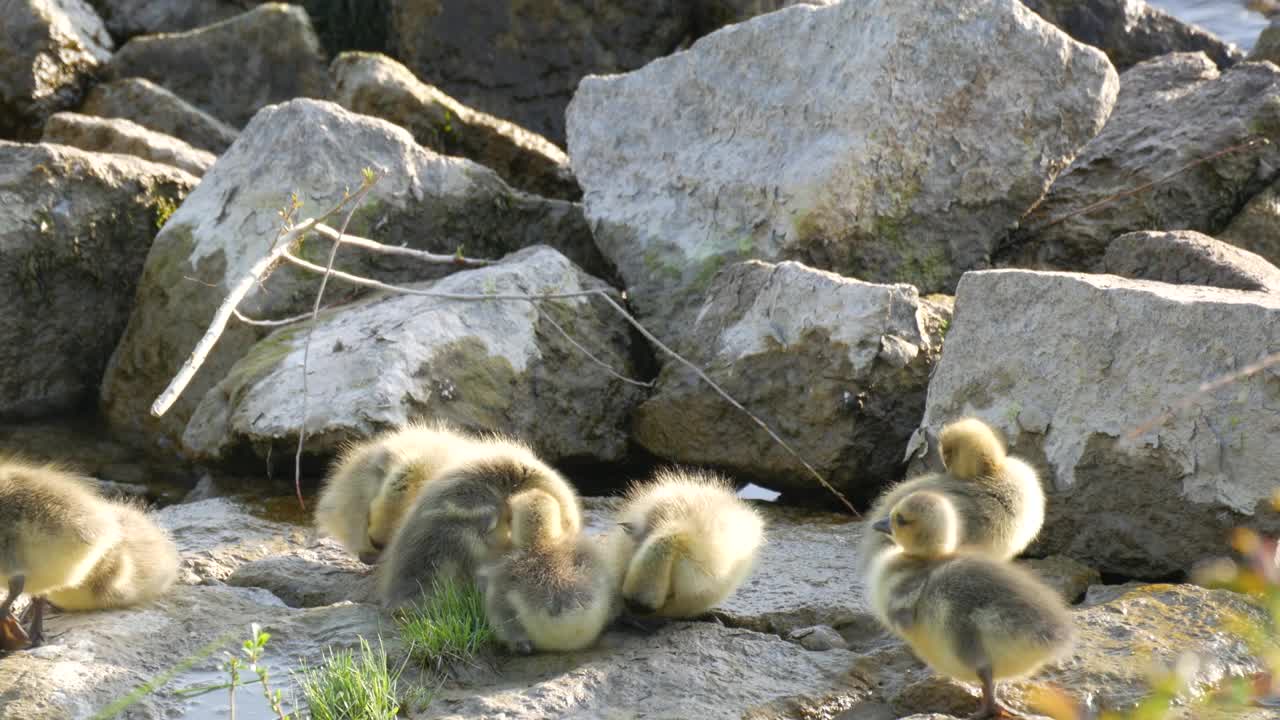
999 499
968 616
553 591
461 519
686 542
374 481
141 566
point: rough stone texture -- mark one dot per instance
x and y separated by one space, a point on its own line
321 574
49 52
1066 366
482 365
234 68
156 108
74 229
373 84
1131 31
1069 577
796 135
125 138
1186 257
818 638
1171 111
522 62
126 18
836 366
318 149
1257 226
1267 46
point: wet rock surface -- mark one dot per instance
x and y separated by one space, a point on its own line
125 138
156 108
688 165
837 366
233 69
1185 257
75 228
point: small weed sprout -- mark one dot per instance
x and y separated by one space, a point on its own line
448 625
352 685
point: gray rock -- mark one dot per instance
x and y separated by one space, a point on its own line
321 573
791 136
219 535
1267 46
126 18
818 638
483 365
1171 111
373 84
1256 227
1186 257
124 137
524 66
91 450
318 149
232 69
1070 578
1068 366
838 367
1131 31
156 108
75 228
51 52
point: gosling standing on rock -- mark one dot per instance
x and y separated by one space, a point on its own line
969 616
461 519
553 591
685 542
373 482
998 498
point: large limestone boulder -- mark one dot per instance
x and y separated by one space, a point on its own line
234 68
836 366
317 149
1068 366
1256 227
1171 111
1185 257
50 53
792 136
1132 31
75 228
374 84
484 365
155 108
125 138
126 18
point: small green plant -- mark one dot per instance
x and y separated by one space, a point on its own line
253 650
448 625
164 209
352 686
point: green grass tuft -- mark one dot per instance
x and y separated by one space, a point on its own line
352 686
447 625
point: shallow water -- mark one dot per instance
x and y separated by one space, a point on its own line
216 705
1228 19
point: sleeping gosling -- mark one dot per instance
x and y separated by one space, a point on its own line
374 481
461 519
968 616
552 591
684 542
999 499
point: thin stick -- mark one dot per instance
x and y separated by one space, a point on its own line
272 323
375 246
1204 389
306 343
547 316
220 318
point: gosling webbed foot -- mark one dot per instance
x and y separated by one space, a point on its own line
35 631
991 707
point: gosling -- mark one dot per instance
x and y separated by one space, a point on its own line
552 592
686 542
461 520
968 616
54 529
998 498
372 483
141 566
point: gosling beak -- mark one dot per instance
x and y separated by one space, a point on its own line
882 526
370 558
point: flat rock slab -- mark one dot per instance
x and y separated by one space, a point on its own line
317 149
1067 366
124 137
836 366
233 68
1186 257
1172 111
828 135
156 108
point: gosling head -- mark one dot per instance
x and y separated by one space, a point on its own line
924 525
535 518
968 446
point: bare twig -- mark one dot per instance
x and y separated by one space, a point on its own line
271 323
374 246
1251 369
547 316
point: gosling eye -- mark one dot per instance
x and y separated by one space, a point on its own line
628 528
901 520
